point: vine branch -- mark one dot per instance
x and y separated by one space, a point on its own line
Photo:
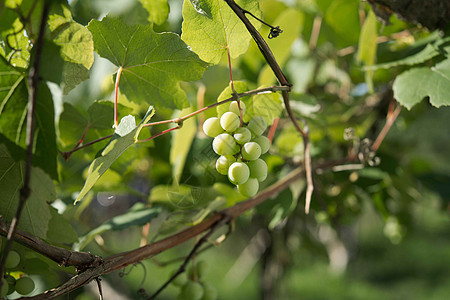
33 82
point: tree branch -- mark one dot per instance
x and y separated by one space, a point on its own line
33 82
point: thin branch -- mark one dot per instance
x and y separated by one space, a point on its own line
67 154
33 82
191 254
389 122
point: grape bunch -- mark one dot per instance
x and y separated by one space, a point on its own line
239 147
22 285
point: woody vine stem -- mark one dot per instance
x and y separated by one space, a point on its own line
91 267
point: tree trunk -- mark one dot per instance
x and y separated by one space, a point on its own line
432 14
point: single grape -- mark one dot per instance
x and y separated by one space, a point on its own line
211 127
249 188
5 288
210 291
223 163
191 290
230 121
251 151
258 169
12 260
257 125
238 173
224 144
181 279
264 142
235 108
24 285
242 135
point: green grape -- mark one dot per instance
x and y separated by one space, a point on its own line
181 279
210 291
202 268
238 173
242 135
257 125
249 188
230 121
224 144
211 127
24 285
235 108
12 260
191 290
264 142
258 169
11 284
5 288
223 163
251 151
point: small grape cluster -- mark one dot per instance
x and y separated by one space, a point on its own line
240 146
193 286
23 285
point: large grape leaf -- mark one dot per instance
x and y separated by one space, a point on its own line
412 86
137 215
152 63
35 214
210 27
125 136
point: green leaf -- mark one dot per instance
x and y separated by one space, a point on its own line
158 10
181 144
367 47
210 27
152 63
77 48
412 86
13 115
343 17
116 146
59 229
291 21
13 102
35 214
138 215
269 106
430 51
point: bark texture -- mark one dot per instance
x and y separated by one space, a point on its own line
433 14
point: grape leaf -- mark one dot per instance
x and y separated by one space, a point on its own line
158 10
59 229
152 63
181 144
412 86
35 214
13 115
210 27
116 146
137 215
77 47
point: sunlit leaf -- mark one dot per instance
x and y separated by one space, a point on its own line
158 10
210 27
367 47
152 63
117 145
